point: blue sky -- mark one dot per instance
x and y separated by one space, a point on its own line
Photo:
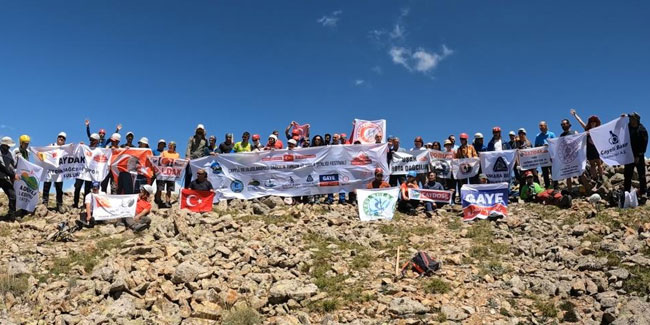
430 68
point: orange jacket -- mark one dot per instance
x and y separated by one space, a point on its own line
467 151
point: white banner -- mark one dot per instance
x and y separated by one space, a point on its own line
303 171
441 163
404 162
168 169
438 196
569 155
114 206
377 204
532 158
60 162
612 140
97 163
498 165
365 131
26 186
465 168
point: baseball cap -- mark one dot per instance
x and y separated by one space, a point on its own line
96 184
412 174
478 135
147 188
144 140
200 126
162 141
521 130
512 133
62 134
447 142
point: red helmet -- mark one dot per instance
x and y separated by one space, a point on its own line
464 136
343 135
102 131
295 132
528 173
496 129
256 137
379 171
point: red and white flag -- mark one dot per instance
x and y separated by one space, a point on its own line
196 201
302 130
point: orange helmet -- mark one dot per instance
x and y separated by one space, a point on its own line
464 136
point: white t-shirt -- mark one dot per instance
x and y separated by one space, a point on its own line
89 198
498 146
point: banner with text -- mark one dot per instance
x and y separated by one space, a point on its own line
404 162
532 158
365 131
436 196
60 162
168 169
441 163
107 207
377 204
498 165
465 168
569 156
26 186
612 140
303 171
484 200
96 166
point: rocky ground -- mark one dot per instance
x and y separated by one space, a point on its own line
263 261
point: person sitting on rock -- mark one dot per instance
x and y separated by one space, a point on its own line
86 217
530 189
405 204
141 221
533 192
378 181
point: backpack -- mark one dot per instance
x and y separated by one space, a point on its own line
422 264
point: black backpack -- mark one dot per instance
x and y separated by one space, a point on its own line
422 264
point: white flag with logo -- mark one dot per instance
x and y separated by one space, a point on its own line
612 140
569 155
96 164
465 167
168 169
114 206
60 162
365 131
26 186
377 204
498 165
441 162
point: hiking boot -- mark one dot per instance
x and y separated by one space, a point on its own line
140 227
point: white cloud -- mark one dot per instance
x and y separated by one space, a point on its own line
377 69
421 60
398 32
331 20
359 82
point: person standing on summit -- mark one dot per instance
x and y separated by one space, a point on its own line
542 140
639 143
58 186
196 148
102 133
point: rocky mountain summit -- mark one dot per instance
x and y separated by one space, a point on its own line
261 261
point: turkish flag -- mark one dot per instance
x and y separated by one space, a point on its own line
196 201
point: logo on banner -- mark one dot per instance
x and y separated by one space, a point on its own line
329 180
465 168
500 165
376 204
567 151
361 159
216 168
99 158
30 180
613 138
309 179
269 183
254 182
368 131
236 186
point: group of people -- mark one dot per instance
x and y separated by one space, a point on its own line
199 145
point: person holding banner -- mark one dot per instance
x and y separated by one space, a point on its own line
168 185
257 145
497 143
160 148
592 153
639 143
378 181
141 221
23 147
405 204
79 182
466 151
86 217
227 145
8 174
102 133
58 186
243 145
432 184
542 140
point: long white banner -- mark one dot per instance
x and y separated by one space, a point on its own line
498 165
72 161
569 155
532 158
612 140
114 206
305 171
404 162
26 186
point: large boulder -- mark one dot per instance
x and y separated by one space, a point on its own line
284 290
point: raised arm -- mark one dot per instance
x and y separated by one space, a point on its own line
286 131
118 128
87 128
575 114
